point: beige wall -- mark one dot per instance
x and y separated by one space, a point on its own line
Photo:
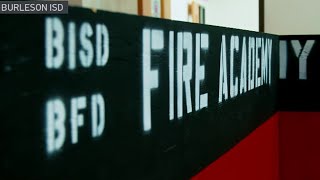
179 10
286 17
240 14
75 2
124 6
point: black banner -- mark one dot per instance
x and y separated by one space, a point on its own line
299 74
112 96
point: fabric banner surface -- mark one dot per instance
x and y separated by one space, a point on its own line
100 95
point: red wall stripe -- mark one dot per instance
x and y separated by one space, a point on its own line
299 145
254 158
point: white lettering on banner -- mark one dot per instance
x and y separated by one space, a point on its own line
56 54
245 64
187 69
257 77
102 53
56 119
72 45
266 49
233 80
251 58
223 82
269 58
200 71
98 115
255 59
61 52
183 73
302 54
179 75
243 76
171 75
54 26
56 131
152 40
77 119
255 70
86 53
283 59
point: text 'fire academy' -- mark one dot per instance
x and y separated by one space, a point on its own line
244 64
251 54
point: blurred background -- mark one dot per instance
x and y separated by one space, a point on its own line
270 16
